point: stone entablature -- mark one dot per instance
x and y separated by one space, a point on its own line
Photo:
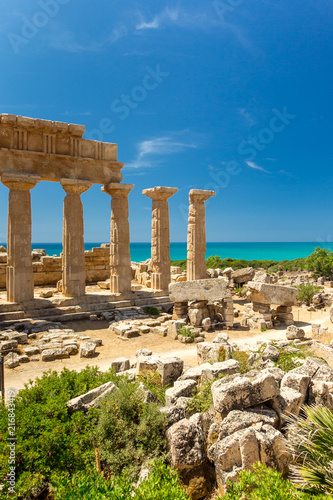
54 151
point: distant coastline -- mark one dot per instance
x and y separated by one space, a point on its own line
248 251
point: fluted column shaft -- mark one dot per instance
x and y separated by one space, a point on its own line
73 262
20 282
120 257
196 238
160 241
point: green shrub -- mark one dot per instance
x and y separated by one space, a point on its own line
201 401
263 329
152 311
49 440
128 430
262 483
311 437
243 359
320 262
285 361
153 382
185 331
306 291
161 484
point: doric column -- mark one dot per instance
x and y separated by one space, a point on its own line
120 258
160 238
196 238
20 281
73 263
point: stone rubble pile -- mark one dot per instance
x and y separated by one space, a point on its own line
54 344
246 422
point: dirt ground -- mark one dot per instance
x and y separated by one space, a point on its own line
113 347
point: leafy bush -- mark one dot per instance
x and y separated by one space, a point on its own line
321 262
49 440
51 443
161 484
306 292
201 401
152 311
153 382
128 430
184 331
262 483
311 438
243 359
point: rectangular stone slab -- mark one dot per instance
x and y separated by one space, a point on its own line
210 289
272 294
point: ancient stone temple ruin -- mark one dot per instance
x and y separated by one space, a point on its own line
34 150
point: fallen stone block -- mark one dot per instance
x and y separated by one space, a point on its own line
8 345
30 351
241 419
209 289
270 352
243 275
146 366
87 350
170 369
297 381
121 364
321 393
143 352
182 388
293 332
288 402
23 358
72 349
228 367
242 393
194 373
52 354
91 398
12 360
264 293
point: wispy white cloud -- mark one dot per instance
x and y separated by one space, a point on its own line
167 16
247 116
66 41
152 151
253 165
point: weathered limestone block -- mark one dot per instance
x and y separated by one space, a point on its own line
241 419
243 275
197 312
52 354
87 350
8 345
289 401
182 388
293 332
297 381
272 294
270 352
195 372
186 446
242 393
324 351
321 393
91 398
310 367
170 369
146 365
213 352
198 290
143 352
72 349
121 364
180 311
30 351
22 338
228 367
243 448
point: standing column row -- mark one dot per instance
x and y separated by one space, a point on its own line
20 281
120 258
160 241
196 238
73 261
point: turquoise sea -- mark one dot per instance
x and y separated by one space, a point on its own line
248 251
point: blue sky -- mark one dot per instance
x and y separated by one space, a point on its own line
230 95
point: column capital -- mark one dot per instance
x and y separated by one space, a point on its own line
159 192
200 195
117 190
22 182
75 186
